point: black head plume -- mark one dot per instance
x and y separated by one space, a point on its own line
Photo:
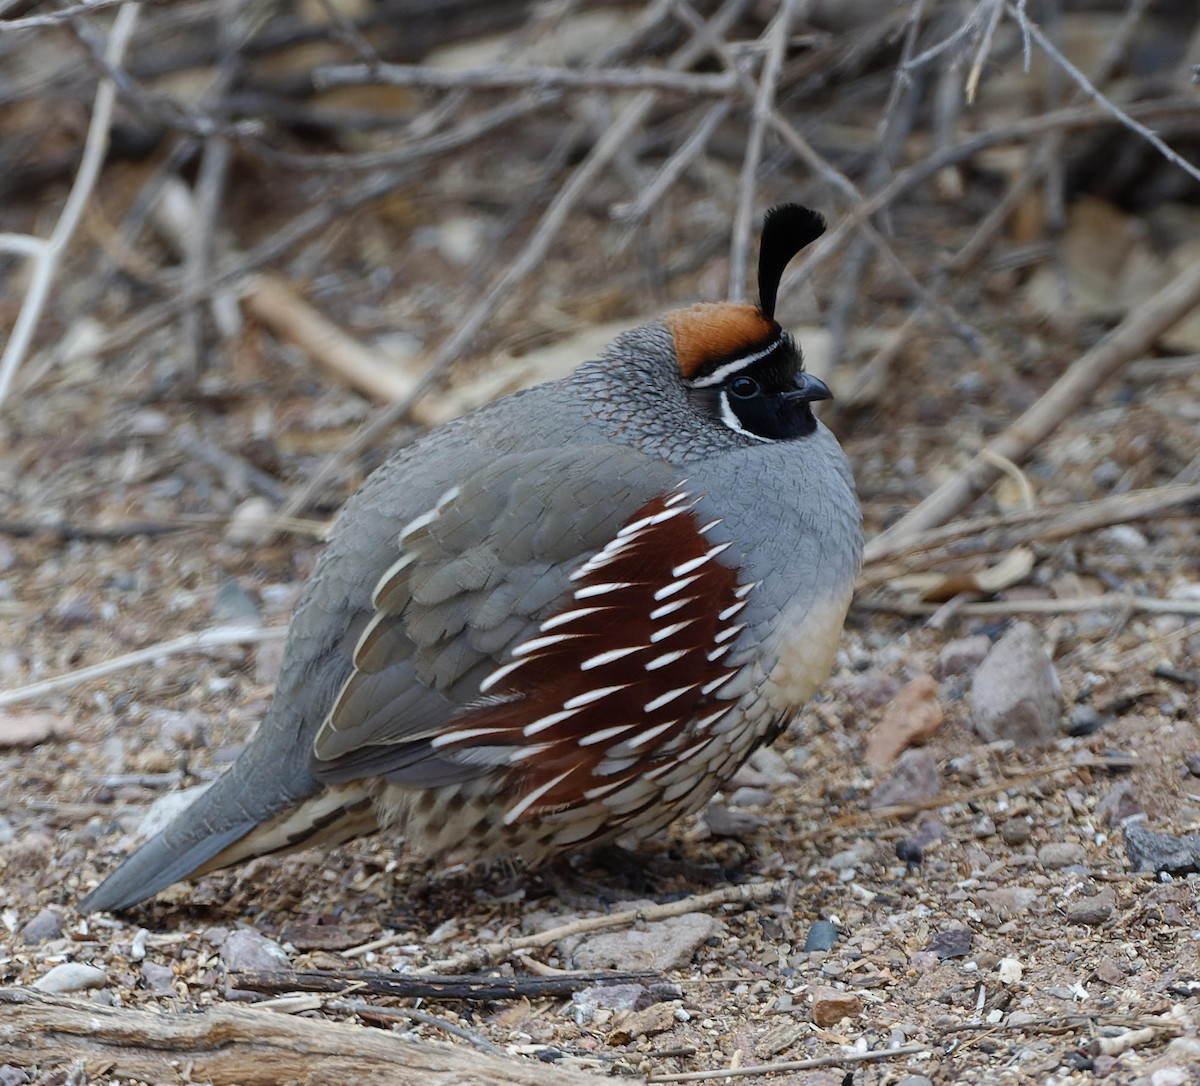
786 230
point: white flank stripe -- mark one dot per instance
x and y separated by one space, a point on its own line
746 589
669 631
710 526
658 771
500 673
611 552
666 658
400 563
544 722
670 608
670 695
446 738
716 684
417 523
580 700
516 812
609 657
677 497
601 589
446 499
526 647
604 735
675 586
642 738
530 750
718 375
716 654
712 718
603 790
567 616
696 563
369 629
670 512
729 612
728 632
692 751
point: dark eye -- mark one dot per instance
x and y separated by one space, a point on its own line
744 387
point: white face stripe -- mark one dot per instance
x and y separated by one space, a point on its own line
731 420
721 372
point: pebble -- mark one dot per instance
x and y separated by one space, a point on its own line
724 822
912 716
962 655
831 1005
1009 970
46 925
1015 693
1059 854
12 1076
160 979
1016 831
750 797
617 997
245 950
914 778
1092 910
71 977
234 604
1108 971
658 947
1192 761
915 1080
1120 802
1149 851
823 935
952 943
1171 1076
252 522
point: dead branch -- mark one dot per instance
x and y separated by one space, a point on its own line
471 988
491 954
241 1046
891 557
1129 340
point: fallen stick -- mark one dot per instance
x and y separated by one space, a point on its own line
240 1046
1129 340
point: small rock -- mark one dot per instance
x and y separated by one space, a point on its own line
914 778
1016 831
617 997
252 522
962 655
12 1076
1119 803
822 935
46 925
930 832
1108 971
1009 970
179 730
723 822
1171 1076
1126 537
915 1080
871 689
30 729
952 943
750 797
831 1005
1015 693
71 977
160 979
246 950
658 947
1083 720
1059 854
1192 761
1092 910
909 852
1103 1066
234 604
1149 851
912 716
630 1025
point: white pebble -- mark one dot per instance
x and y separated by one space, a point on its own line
71 977
1009 970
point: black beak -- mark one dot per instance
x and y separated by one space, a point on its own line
809 389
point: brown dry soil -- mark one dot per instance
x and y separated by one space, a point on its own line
1030 995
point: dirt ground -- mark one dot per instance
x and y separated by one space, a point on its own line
996 932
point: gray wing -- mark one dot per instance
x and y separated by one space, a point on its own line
421 587
470 576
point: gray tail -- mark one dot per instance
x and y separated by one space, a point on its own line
236 819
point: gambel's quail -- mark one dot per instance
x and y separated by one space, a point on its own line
567 617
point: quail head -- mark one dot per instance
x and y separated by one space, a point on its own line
567 617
